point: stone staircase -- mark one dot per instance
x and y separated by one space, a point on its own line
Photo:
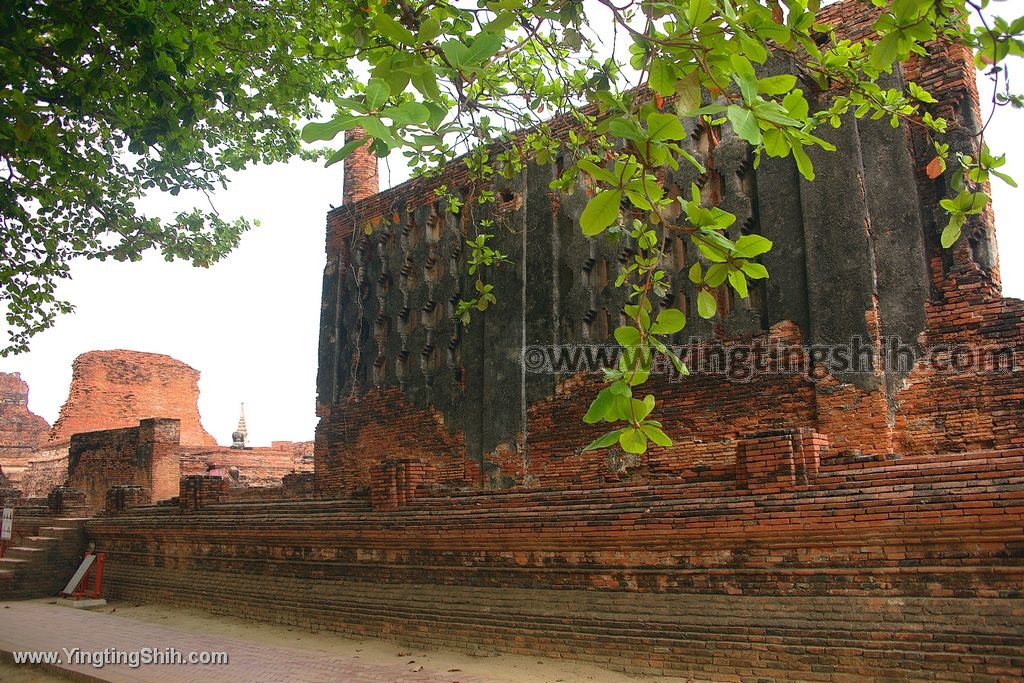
42 559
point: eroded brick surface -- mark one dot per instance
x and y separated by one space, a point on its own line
21 430
111 389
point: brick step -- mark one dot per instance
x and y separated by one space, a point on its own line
48 551
668 635
1009 492
470 564
23 552
697 647
997 618
42 540
914 495
915 492
1003 524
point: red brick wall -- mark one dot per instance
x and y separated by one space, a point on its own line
47 468
147 455
112 389
260 467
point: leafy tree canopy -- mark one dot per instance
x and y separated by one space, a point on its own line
102 100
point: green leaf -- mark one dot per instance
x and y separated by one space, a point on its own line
394 72
796 104
624 128
920 93
951 233
620 388
885 52
377 93
485 46
456 53
600 407
655 434
755 271
429 29
407 113
627 336
776 85
689 92
678 363
597 172
744 124
803 162
706 304
669 321
313 132
743 74
603 442
501 23
662 77
389 28
426 82
633 440
716 274
665 127
748 246
349 147
642 408
712 249
695 273
738 282
601 211
437 112
775 143
698 12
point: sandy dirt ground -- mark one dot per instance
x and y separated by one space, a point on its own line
509 667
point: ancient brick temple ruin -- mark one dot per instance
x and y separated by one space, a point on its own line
131 419
834 524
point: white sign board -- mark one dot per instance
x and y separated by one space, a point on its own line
5 533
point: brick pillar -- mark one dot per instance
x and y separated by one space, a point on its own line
394 483
198 491
120 498
160 438
360 177
64 500
779 459
808 447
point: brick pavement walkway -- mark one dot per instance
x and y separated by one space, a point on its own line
36 625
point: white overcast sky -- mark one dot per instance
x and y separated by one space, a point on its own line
250 324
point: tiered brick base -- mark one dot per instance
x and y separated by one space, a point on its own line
909 569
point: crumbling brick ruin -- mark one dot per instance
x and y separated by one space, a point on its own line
112 389
21 430
825 526
131 420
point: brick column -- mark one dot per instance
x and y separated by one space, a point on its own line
121 498
360 178
198 491
393 483
779 459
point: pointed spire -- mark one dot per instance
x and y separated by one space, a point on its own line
239 435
